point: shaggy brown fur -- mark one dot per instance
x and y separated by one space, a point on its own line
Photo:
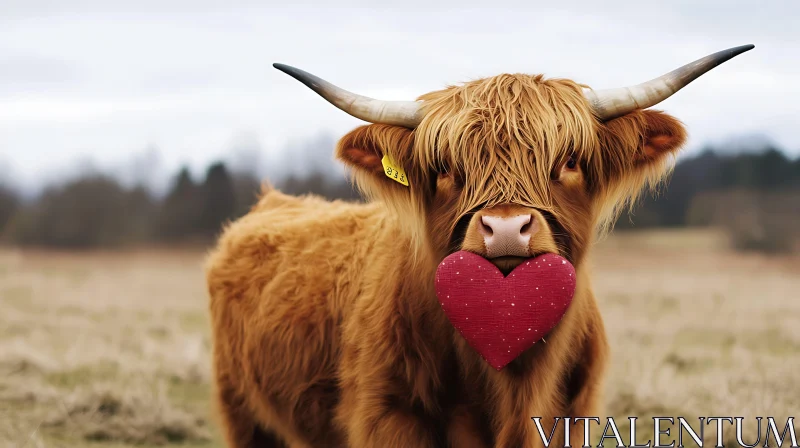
327 331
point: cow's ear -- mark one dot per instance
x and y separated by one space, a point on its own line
364 148
640 141
661 136
637 151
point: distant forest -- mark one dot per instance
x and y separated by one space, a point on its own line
754 196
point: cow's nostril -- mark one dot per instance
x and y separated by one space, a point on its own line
528 227
486 227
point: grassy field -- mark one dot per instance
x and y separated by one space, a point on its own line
112 350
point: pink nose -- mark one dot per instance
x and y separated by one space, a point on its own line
507 236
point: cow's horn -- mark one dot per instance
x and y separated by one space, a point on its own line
612 103
399 113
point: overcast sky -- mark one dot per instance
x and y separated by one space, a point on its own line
106 80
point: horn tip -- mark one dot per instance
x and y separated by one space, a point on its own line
304 77
282 67
732 52
289 70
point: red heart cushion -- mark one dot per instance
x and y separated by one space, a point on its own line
501 317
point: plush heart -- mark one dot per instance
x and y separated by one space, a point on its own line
501 317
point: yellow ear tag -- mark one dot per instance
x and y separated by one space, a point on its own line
393 171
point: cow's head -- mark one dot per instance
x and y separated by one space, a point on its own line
513 166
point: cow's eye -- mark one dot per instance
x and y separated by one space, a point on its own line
572 163
568 169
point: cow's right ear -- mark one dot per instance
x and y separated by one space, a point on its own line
364 148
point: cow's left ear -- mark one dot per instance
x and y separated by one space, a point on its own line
638 144
661 135
637 151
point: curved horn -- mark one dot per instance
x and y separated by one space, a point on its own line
612 103
399 113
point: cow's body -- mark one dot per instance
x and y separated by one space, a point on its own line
327 330
332 336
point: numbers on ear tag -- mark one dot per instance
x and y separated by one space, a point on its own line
394 171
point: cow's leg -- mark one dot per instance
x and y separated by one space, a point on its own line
266 439
462 430
381 425
520 431
392 388
585 387
523 391
238 425
544 397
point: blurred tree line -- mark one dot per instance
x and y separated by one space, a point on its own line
97 211
754 196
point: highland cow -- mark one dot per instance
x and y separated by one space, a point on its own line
327 331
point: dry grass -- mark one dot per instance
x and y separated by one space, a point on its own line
697 330
112 350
